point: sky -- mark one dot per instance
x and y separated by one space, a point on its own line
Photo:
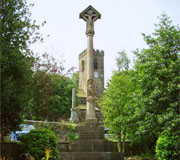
120 27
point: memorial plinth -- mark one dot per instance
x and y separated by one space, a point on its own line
91 131
91 137
91 156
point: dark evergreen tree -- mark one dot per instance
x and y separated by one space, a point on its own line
17 32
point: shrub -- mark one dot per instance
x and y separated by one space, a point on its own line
167 146
37 141
72 136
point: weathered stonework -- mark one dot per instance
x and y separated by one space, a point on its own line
91 156
91 131
82 115
61 130
98 55
91 144
74 116
98 76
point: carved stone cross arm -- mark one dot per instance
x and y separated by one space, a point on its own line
90 15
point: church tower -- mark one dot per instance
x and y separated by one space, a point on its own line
98 65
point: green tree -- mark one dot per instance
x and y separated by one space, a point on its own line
75 79
62 98
115 104
42 92
157 74
151 101
41 86
52 90
122 61
17 32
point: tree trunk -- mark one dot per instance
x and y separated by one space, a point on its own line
119 143
3 136
123 145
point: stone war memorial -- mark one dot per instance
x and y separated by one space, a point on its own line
91 144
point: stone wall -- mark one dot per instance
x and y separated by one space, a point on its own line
61 130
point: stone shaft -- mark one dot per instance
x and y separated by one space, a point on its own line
90 15
90 68
90 111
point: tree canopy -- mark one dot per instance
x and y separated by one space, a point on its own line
51 90
17 32
148 99
52 94
115 104
30 86
157 74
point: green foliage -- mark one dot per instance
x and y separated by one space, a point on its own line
52 96
156 99
68 125
167 147
115 103
116 100
61 101
72 136
75 79
17 32
144 102
51 90
122 61
37 141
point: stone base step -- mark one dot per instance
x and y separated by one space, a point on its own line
91 156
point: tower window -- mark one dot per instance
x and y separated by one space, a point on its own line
82 64
95 64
